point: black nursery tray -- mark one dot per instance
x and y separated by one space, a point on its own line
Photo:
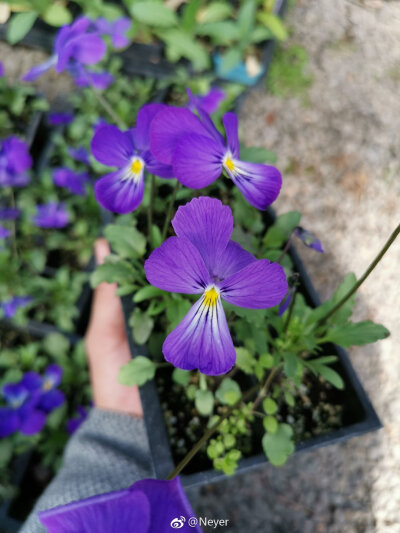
358 415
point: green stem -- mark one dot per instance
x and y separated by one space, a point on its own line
169 212
178 469
290 312
357 285
150 210
106 106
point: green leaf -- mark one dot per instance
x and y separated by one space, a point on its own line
230 60
280 232
180 376
137 371
257 154
204 402
176 310
246 19
275 24
244 360
181 44
154 14
6 451
279 446
228 393
266 360
270 424
331 376
57 15
114 270
147 293
270 406
56 344
142 325
156 237
126 241
214 12
188 20
357 334
291 364
221 33
19 26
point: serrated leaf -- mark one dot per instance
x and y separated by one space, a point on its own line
279 446
19 25
357 334
204 402
142 325
128 242
137 371
228 393
113 270
154 14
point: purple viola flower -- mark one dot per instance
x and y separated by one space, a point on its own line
71 180
203 260
56 119
4 233
51 215
84 77
76 44
77 420
209 102
199 154
15 161
30 401
122 191
309 239
9 213
1 69
10 307
117 30
80 154
152 505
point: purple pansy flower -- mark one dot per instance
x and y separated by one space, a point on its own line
117 30
30 401
10 307
74 423
76 44
60 118
203 260
9 213
86 78
308 239
4 233
79 154
209 102
71 180
122 191
1 69
148 506
51 215
15 161
199 154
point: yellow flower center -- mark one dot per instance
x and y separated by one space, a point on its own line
211 297
47 385
229 164
136 166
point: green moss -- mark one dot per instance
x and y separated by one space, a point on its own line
287 76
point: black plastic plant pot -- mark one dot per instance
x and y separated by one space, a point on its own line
358 414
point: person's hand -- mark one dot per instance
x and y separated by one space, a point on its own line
107 347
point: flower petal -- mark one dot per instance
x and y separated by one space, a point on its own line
201 340
168 502
51 400
32 422
115 511
119 194
35 72
231 125
259 184
53 375
259 285
208 224
112 147
176 266
197 161
168 127
144 119
9 421
233 259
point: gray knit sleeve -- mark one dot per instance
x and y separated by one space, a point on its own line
108 452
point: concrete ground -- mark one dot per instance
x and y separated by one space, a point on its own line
339 152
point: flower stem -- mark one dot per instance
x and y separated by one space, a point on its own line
169 212
290 312
356 286
150 210
246 396
106 106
